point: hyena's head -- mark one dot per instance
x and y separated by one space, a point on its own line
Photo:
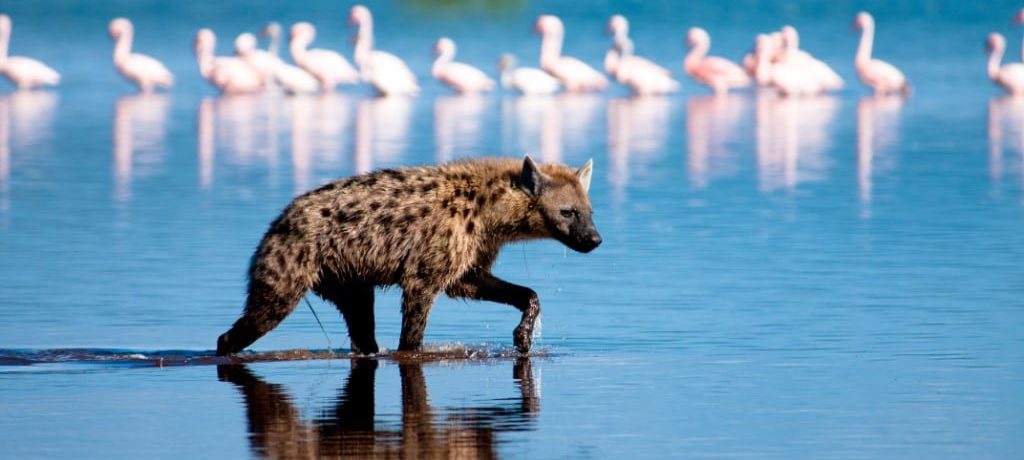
561 200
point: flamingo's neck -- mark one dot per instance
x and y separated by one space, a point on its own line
994 58
696 54
123 47
867 40
550 47
611 61
275 44
364 42
5 37
297 47
506 76
443 58
204 57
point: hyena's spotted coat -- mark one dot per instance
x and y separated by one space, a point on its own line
425 229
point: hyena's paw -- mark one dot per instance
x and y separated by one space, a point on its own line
523 338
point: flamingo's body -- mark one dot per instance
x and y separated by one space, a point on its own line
460 77
291 79
791 54
644 78
641 75
526 80
573 73
719 74
385 72
329 67
145 72
786 77
231 75
881 76
23 72
1010 77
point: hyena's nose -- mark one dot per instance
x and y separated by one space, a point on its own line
595 240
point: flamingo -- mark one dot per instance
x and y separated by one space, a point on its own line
574 74
643 79
291 79
231 75
618 27
788 78
144 71
384 71
273 32
526 80
25 73
717 73
791 53
329 67
883 77
1010 77
1018 19
461 77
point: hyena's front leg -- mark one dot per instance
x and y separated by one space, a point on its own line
482 285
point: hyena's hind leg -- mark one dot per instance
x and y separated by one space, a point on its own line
355 302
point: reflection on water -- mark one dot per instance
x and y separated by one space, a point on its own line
792 137
352 427
457 124
25 121
319 124
711 124
382 128
637 131
1005 131
877 131
139 132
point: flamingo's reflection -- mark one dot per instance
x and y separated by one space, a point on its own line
318 123
1005 130
792 136
547 126
25 121
349 428
711 123
877 128
139 133
637 131
382 126
457 124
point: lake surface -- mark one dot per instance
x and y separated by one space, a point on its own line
834 277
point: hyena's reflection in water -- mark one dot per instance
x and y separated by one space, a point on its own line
348 428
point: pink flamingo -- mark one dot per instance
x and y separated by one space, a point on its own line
618 27
719 74
384 71
329 67
642 78
231 75
145 72
291 79
526 80
574 74
879 75
23 72
788 78
460 77
1018 19
792 54
1010 77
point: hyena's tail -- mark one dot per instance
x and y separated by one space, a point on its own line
278 278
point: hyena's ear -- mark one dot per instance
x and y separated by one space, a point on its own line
531 179
584 173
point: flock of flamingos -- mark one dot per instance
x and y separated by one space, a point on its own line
776 61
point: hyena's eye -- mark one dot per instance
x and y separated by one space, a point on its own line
567 213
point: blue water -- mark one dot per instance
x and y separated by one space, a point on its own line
837 277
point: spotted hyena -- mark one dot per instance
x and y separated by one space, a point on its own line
424 229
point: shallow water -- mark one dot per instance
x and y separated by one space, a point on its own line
837 277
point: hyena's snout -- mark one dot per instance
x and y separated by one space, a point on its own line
586 238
